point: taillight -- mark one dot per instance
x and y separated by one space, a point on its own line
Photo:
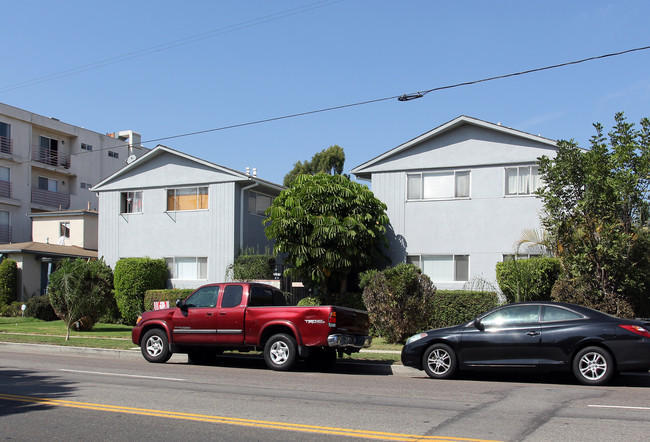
331 321
637 329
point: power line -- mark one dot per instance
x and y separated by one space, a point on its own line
170 45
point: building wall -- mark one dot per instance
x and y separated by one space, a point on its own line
83 230
85 168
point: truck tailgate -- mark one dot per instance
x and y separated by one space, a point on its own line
351 321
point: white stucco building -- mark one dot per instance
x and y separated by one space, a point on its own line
195 214
49 165
459 197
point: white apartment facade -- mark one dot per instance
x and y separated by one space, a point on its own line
47 165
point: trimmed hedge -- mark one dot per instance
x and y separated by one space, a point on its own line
249 267
133 277
171 295
8 282
528 279
453 307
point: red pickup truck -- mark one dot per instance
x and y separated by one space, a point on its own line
250 316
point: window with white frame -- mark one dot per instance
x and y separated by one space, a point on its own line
442 268
64 229
437 185
187 198
131 202
524 180
258 203
188 268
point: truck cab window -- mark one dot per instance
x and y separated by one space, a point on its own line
232 295
204 297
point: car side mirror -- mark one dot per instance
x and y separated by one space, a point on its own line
181 304
478 324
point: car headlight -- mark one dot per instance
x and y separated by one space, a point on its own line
415 338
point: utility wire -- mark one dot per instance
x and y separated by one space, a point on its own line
170 45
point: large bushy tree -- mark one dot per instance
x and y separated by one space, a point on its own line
330 228
79 291
329 161
595 212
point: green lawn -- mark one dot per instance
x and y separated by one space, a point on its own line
35 331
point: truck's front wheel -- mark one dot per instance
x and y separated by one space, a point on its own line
155 346
281 352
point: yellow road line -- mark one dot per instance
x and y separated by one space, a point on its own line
237 421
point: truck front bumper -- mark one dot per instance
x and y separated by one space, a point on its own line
342 341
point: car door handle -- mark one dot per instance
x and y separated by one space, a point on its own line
209 314
533 333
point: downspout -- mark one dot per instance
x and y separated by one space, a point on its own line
241 213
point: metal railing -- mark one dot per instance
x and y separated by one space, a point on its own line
5 234
6 145
50 157
5 189
51 199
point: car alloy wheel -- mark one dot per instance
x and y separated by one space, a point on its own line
440 361
154 346
593 366
281 352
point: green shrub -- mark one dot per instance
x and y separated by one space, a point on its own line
309 300
250 266
399 301
528 279
453 307
576 291
351 300
13 310
133 277
112 314
8 281
171 295
39 307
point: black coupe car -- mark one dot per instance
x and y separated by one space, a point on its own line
546 335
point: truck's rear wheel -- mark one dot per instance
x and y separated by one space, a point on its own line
281 352
155 346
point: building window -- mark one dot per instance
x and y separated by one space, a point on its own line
522 180
5 137
48 184
85 185
5 227
64 228
188 268
131 202
258 203
512 256
189 198
5 184
438 185
85 146
113 154
443 268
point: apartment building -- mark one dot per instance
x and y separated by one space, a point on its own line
48 165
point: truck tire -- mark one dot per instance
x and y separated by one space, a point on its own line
155 346
281 352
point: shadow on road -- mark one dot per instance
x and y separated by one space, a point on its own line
15 385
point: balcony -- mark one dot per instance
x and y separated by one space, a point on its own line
6 145
5 189
5 234
50 157
48 198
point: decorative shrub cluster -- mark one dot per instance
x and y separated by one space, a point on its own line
528 279
133 277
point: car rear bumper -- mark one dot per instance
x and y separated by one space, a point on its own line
343 341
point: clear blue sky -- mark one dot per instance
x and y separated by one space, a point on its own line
234 62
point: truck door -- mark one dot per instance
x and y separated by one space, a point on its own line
230 316
196 322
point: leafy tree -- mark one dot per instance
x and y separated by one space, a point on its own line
8 282
330 228
79 291
595 207
399 300
329 161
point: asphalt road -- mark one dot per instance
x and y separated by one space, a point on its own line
74 395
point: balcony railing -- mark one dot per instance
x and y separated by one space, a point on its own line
50 157
50 199
5 234
5 189
6 145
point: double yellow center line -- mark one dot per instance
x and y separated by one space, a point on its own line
236 421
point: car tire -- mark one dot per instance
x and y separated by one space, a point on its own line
155 346
281 352
440 361
594 366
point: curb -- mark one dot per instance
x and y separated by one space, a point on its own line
349 365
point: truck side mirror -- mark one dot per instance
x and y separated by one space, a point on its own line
181 304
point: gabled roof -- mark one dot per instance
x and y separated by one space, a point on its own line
39 248
162 150
360 170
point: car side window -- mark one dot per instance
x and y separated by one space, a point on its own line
204 297
552 313
513 315
232 295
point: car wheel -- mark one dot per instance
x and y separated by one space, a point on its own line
440 361
281 352
155 346
593 366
